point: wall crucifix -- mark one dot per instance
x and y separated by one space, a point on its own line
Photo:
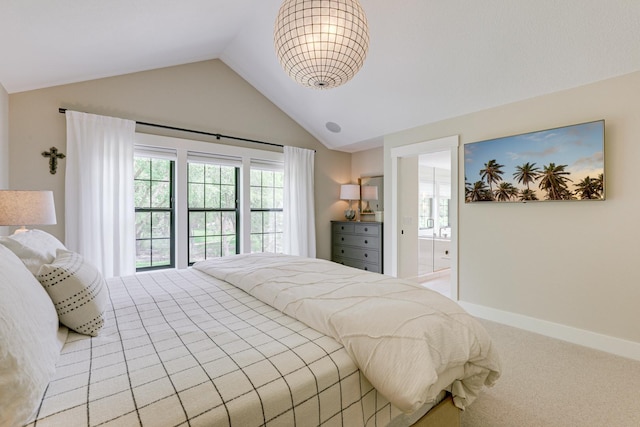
53 156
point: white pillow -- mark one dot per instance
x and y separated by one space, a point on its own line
33 247
29 341
77 290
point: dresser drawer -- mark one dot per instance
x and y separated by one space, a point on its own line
346 227
358 264
356 253
367 229
356 240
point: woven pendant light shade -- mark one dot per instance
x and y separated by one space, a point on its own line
321 43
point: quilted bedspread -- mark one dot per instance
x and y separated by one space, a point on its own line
400 335
181 348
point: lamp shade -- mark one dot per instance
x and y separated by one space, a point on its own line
321 43
27 208
369 192
350 192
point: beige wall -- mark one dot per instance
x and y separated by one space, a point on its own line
367 163
4 145
4 138
206 96
570 263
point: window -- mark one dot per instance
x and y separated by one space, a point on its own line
267 196
153 182
443 212
197 200
213 210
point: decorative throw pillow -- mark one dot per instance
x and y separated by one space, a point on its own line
34 247
30 342
78 292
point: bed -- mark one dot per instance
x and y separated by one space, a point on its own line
247 340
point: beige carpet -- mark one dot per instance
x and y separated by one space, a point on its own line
547 383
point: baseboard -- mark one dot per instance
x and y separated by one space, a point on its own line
609 344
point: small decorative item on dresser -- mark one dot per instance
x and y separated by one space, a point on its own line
357 244
350 192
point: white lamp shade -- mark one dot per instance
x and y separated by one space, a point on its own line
321 43
350 192
369 192
27 208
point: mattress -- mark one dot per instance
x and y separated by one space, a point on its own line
180 347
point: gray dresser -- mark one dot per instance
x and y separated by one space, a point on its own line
357 244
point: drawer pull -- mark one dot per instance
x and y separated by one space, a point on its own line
366 255
366 269
342 238
366 229
342 227
366 242
342 250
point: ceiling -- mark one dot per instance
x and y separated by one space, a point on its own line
428 59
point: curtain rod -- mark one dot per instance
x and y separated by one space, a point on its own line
217 135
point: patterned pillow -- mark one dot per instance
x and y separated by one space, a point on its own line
77 290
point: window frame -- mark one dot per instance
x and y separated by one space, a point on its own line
171 210
274 167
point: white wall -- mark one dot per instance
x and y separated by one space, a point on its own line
206 96
567 264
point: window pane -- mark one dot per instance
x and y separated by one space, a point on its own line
269 222
267 198
161 252
143 253
256 177
212 174
197 224
196 195
279 222
143 225
229 223
228 175
256 197
228 245
278 179
196 249
256 243
141 168
142 196
214 223
214 247
267 178
278 196
160 170
196 172
160 194
256 222
161 225
228 197
212 196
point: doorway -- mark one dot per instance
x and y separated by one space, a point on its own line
424 203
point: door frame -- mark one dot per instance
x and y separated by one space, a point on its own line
450 143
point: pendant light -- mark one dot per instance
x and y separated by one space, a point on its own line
321 43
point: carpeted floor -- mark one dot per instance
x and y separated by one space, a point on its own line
547 383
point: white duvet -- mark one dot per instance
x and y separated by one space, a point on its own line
402 336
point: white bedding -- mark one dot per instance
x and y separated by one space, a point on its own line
402 337
180 347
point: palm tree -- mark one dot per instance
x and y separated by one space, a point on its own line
553 180
527 173
492 173
528 194
588 189
505 192
600 183
479 192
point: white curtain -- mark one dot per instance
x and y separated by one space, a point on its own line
99 204
299 217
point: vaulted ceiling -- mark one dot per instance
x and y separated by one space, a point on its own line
428 59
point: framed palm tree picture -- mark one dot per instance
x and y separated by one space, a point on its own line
565 163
